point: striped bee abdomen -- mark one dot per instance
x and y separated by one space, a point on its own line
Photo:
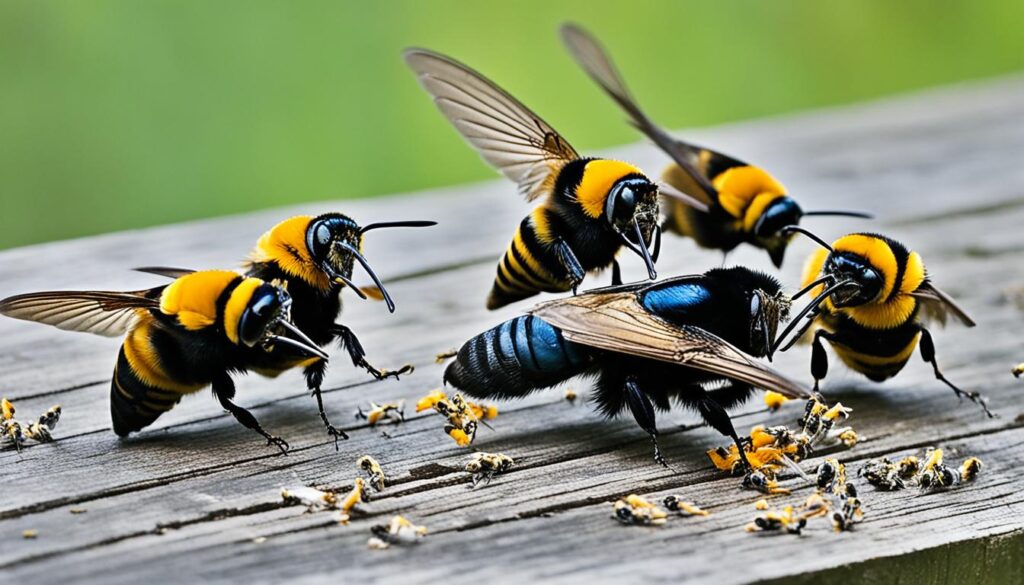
527 267
141 389
515 358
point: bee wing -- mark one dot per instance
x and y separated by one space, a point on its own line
104 313
938 305
172 273
509 136
594 60
618 322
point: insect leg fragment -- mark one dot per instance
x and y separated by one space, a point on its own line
314 379
928 353
819 359
571 264
224 390
350 343
717 418
643 411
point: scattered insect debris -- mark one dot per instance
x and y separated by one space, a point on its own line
374 472
316 500
389 412
399 531
17 433
634 509
461 417
446 355
484 466
675 504
931 474
768 451
571 396
833 498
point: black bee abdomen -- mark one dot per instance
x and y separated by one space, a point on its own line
515 358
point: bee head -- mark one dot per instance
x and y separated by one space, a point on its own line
335 242
769 228
264 322
324 237
866 280
631 210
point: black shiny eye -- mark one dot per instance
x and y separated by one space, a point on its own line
783 212
623 205
263 308
319 237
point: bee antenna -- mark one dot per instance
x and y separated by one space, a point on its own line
807 309
393 224
373 275
795 228
811 285
839 212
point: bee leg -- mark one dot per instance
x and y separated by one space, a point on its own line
224 390
314 379
570 263
717 418
819 359
928 353
616 273
657 243
643 411
350 343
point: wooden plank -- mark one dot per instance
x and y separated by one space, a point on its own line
187 497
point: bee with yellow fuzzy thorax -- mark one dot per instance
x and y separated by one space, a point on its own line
590 208
314 258
872 302
180 338
727 202
462 416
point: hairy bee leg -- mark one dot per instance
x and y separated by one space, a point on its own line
224 390
717 418
616 273
572 265
928 353
643 411
350 343
819 359
314 379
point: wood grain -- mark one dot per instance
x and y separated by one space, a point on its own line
186 498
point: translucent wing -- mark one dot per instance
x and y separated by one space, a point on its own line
592 57
937 305
172 273
617 322
104 313
510 137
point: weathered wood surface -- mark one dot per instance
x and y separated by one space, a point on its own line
186 498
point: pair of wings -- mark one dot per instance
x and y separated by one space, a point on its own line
697 163
506 134
614 319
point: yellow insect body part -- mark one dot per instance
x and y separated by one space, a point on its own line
390 412
762 504
935 474
675 504
399 531
777 521
815 506
724 459
970 468
634 509
356 496
1018 370
374 472
832 477
483 411
773 400
848 437
430 400
6 409
851 513
908 467
461 438
571 395
764 482
445 355
311 497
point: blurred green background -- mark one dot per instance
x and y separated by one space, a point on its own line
116 115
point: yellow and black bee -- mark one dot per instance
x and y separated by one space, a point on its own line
314 257
735 202
691 340
589 208
873 300
180 338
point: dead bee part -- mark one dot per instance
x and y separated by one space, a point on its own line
675 504
399 531
374 472
635 510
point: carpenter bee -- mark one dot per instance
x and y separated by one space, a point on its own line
729 201
589 207
873 299
180 338
692 339
314 258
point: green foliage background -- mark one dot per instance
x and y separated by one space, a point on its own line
120 114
